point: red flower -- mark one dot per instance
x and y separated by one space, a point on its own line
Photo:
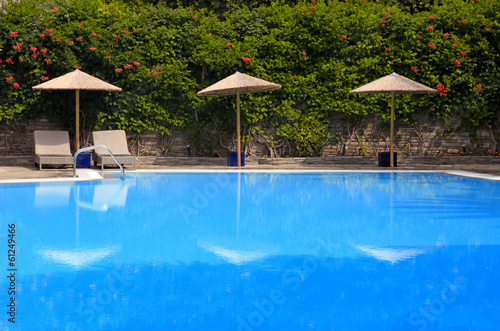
45 78
383 24
77 67
155 73
47 61
115 35
384 18
441 89
10 78
456 62
387 49
55 9
125 31
432 45
17 46
246 59
49 30
488 29
313 7
42 35
229 44
431 17
344 36
455 45
109 57
463 53
9 60
432 109
479 88
446 34
128 66
459 21
430 28
70 42
44 51
304 53
93 34
137 63
118 70
79 38
92 49
33 49
13 33
16 86
419 37
414 68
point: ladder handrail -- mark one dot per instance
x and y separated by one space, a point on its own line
95 147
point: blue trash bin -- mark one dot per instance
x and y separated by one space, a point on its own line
83 160
232 159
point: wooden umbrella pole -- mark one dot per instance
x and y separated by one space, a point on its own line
392 130
77 119
238 133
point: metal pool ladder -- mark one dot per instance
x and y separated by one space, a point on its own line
95 147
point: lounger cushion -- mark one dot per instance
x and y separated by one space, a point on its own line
53 143
115 140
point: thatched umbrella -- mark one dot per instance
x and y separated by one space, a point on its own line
238 83
77 80
393 84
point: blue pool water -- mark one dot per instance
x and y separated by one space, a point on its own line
254 251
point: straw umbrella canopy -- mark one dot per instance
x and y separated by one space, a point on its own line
77 80
238 83
393 84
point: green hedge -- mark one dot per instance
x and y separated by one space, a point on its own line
317 50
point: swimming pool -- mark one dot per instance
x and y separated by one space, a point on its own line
254 251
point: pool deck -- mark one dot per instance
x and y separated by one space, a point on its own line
12 173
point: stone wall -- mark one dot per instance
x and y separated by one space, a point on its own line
427 138
365 139
18 140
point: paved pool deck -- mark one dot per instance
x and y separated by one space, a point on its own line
10 173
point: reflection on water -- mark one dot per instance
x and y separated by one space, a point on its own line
392 254
209 251
78 258
52 194
235 256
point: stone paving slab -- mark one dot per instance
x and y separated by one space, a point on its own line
9 172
